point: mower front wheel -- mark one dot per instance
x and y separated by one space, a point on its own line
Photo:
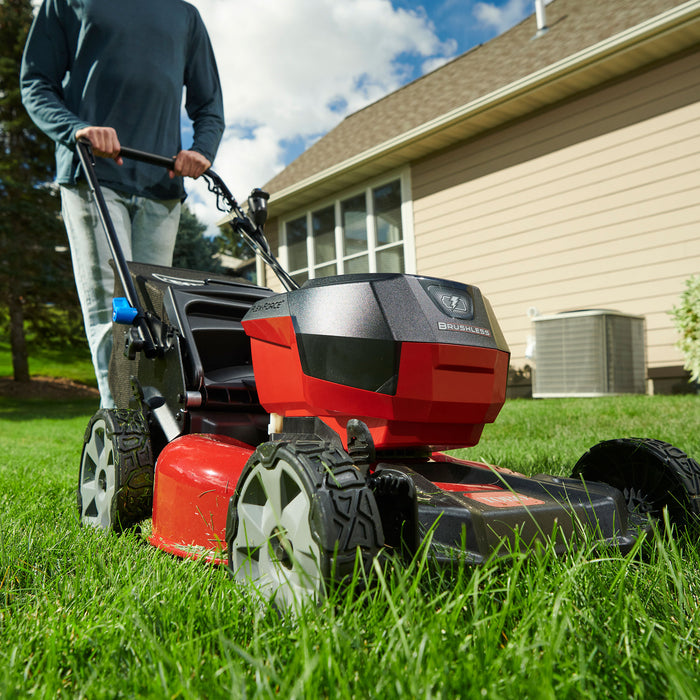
653 476
301 516
115 483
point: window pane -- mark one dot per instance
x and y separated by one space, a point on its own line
387 212
323 223
390 260
356 266
300 277
354 213
296 244
326 270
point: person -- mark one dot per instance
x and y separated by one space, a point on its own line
114 73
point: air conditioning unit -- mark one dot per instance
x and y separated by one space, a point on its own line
589 353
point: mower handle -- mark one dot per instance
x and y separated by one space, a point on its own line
150 158
150 341
244 225
240 223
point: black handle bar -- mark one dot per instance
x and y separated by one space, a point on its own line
150 158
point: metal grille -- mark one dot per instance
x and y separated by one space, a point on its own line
589 353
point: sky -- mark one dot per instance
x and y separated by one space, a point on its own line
293 69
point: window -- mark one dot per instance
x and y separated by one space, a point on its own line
365 232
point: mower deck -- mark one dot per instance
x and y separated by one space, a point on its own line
474 511
469 510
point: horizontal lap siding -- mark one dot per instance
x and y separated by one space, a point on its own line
594 204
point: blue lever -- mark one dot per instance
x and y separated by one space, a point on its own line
122 311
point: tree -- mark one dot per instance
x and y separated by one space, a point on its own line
35 276
233 244
193 250
686 319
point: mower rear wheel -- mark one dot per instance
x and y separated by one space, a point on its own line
115 483
653 476
300 516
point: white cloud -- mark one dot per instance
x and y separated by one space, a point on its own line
292 69
503 17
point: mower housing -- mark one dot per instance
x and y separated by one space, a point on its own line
421 361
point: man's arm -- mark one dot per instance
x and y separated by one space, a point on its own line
204 99
44 65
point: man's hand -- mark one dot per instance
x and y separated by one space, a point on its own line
190 164
104 141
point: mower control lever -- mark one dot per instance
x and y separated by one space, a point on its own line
257 207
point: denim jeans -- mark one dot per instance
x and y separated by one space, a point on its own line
146 230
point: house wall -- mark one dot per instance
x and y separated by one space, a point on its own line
591 204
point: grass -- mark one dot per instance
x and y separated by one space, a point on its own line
83 615
67 363
550 435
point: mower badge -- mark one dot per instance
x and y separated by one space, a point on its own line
453 302
463 328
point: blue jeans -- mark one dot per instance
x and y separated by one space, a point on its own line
146 230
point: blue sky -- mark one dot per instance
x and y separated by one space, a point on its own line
293 69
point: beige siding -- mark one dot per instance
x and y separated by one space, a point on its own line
593 204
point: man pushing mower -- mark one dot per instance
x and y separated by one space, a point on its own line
113 73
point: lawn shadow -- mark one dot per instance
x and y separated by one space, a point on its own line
17 409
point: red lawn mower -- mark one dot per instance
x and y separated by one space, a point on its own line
292 435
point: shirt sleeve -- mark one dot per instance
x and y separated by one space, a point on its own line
203 97
45 62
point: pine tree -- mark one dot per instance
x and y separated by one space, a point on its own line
193 250
35 271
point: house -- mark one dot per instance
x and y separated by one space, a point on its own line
556 170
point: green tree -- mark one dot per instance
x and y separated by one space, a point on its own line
194 250
233 244
36 284
686 319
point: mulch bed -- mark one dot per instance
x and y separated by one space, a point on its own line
46 388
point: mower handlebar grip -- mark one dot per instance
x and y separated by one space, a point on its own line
150 158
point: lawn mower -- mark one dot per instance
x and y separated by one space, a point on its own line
294 436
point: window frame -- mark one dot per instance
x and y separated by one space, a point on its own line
407 243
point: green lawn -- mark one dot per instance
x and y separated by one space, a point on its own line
84 615
550 435
68 363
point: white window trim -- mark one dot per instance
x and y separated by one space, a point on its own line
409 247
409 236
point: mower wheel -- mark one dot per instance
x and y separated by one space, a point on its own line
115 484
651 474
301 516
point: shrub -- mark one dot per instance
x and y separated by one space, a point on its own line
686 318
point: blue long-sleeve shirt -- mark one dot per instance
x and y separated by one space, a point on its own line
123 63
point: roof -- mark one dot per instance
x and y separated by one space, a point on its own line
425 112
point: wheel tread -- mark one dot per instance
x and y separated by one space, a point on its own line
134 467
344 515
681 471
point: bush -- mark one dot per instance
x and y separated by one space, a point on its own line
686 318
